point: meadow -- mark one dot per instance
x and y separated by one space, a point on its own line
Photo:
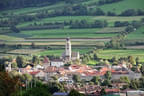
123 5
105 54
59 52
63 33
108 54
110 19
137 35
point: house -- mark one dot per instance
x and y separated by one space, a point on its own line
40 75
46 62
39 67
65 79
135 93
60 94
8 67
130 74
114 90
51 71
28 66
57 63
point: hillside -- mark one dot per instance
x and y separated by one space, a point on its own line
81 19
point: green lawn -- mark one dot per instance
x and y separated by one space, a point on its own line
121 53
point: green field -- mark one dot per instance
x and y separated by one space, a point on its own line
5 37
123 5
137 35
126 4
34 10
110 19
121 53
62 33
60 51
105 54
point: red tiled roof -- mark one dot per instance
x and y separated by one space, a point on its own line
82 67
120 72
112 90
46 60
34 72
53 69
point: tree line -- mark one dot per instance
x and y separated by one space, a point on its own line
77 10
12 4
102 2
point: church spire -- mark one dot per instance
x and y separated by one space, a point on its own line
68 48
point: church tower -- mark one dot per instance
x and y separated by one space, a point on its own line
68 51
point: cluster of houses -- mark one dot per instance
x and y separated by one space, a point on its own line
49 69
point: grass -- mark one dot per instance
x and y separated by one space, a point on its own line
59 52
108 54
33 10
110 19
137 35
5 37
62 33
116 7
123 5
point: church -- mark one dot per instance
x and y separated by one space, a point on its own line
69 55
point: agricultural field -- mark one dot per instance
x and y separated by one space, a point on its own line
123 5
63 33
9 38
121 53
33 10
110 19
137 35
24 51
60 51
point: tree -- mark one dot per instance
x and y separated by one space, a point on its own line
133 84
95 56
39 90
55 87
14 29
142 69
75 93
108 75
35 60
136 24
33 45
131 59
8 85
20 61
129 29
137 61
76 78
129 12
14 65
141 80
106 82
96 79
99 12
102 92
124 79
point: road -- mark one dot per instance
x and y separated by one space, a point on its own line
63 39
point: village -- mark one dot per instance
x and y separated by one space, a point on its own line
113 80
